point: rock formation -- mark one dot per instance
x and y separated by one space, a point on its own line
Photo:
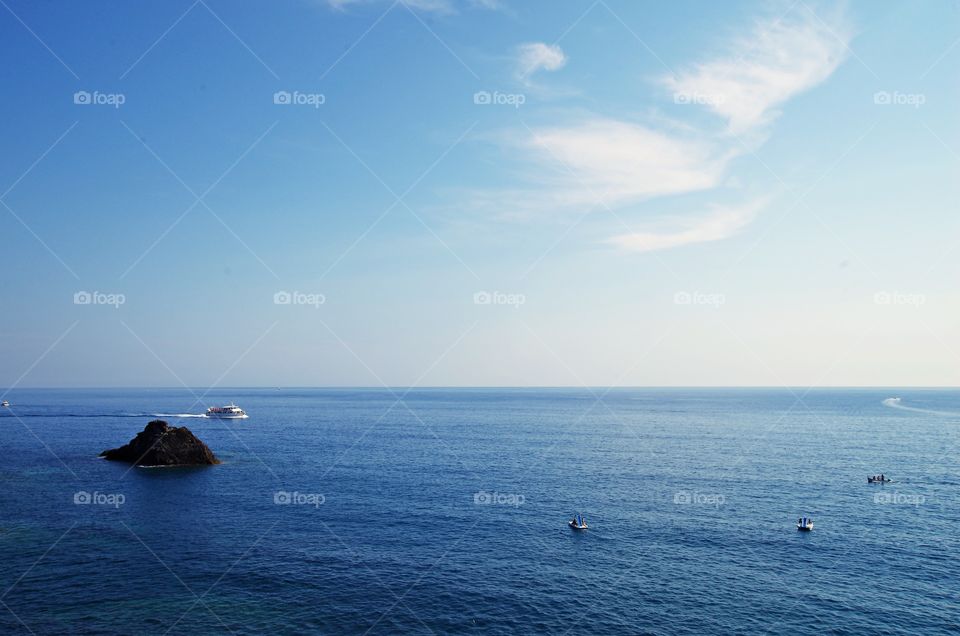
160 444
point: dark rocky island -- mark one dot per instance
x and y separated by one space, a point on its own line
160 444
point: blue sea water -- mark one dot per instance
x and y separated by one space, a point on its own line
351 512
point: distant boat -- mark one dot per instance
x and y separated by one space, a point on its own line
577 523
805 524
4 403
229 412
878 479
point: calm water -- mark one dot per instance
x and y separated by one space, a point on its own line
691 497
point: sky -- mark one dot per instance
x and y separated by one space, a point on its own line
479 193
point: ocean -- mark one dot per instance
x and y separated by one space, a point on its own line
354 511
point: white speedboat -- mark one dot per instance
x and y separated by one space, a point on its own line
229 412
805 524
577 523
4 403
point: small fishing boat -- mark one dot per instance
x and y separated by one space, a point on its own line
805 524
577 523
878 479
4 403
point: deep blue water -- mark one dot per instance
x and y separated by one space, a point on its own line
691 496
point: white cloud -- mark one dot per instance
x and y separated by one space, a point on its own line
436 6
622 161
600 162
779 59
592 161
537 56
719 223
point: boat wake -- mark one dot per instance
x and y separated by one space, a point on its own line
179 415
80 415
897 403
8 413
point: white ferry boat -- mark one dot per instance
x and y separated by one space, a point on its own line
229 412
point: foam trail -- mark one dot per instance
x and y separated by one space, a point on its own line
895 403
179 415
81 415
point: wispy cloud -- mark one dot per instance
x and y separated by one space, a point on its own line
620 162
432 6
594 162
442 6
537 56
758 73
598 164
719 223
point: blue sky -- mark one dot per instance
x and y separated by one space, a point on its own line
479 192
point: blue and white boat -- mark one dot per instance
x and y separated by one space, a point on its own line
229 412
577 523
805 524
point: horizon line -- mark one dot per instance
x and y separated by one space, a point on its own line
483 386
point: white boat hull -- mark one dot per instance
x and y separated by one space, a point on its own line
229 412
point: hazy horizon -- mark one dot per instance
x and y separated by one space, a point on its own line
482 386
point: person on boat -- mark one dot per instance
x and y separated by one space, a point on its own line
882 477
